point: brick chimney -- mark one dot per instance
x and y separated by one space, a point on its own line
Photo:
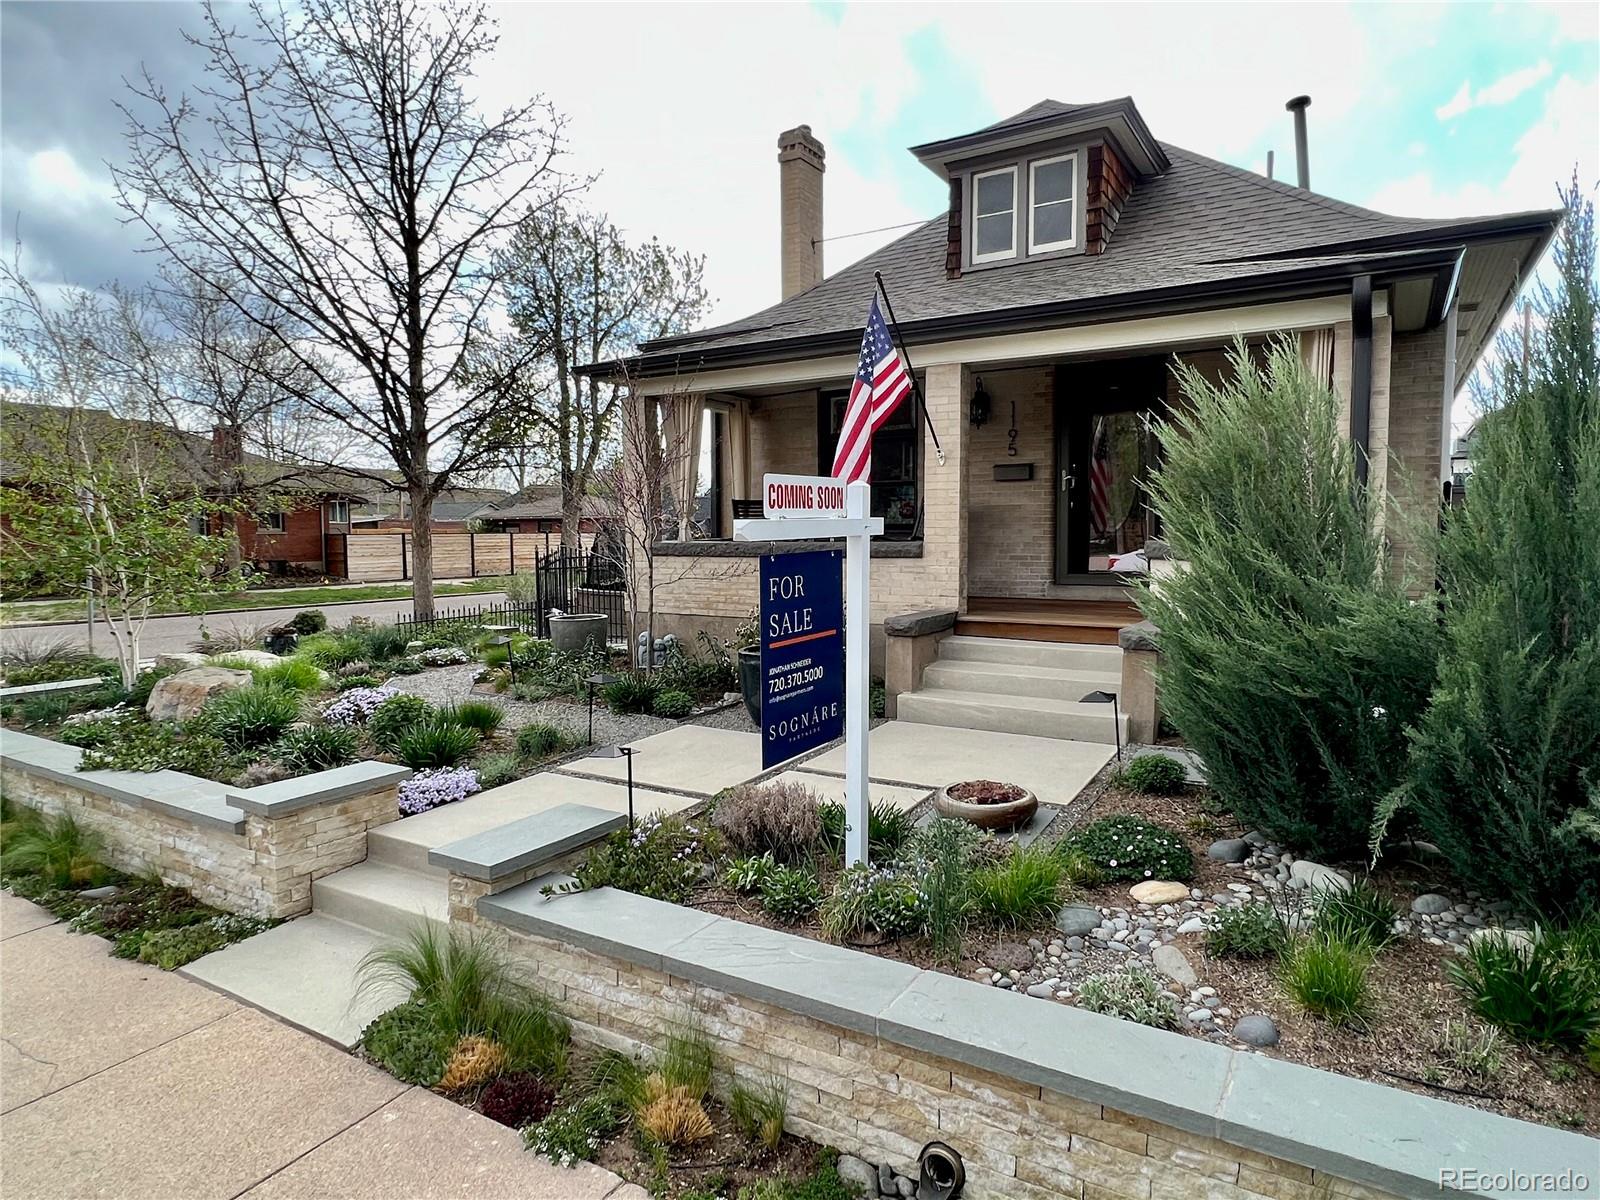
800 168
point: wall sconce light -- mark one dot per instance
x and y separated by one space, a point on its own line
978 413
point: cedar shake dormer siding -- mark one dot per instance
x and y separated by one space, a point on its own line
952 251
1108 184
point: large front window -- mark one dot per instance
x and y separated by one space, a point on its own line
896 482
994 215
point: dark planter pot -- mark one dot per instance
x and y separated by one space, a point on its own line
750 681
987 816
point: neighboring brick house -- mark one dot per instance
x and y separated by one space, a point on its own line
302 530
1079 258
537 509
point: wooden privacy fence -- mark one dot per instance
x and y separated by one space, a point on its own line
384 557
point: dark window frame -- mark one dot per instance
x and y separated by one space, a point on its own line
901 431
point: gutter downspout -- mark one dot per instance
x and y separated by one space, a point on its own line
1361 371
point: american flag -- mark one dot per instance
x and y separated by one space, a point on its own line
881 383
1100 480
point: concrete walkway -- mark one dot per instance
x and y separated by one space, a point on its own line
120 1080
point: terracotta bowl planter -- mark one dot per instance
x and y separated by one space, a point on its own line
997 814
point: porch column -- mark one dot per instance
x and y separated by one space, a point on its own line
948 389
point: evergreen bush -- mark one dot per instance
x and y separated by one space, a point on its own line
1504 772
1291 660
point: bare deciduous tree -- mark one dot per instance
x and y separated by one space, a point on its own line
336 169
578 293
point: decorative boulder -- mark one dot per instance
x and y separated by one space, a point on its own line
179 660
1159 891
180 697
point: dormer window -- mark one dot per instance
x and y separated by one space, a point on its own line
994 215
1052 204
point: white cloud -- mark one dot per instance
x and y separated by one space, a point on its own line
1502 91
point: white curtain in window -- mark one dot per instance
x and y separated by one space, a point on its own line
1316 351
684 416
739 451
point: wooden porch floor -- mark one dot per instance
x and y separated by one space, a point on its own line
1085 622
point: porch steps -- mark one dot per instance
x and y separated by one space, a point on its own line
381 897
1013 686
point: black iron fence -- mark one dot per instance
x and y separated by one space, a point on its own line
578 581
523 615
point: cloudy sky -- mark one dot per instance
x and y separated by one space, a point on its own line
1418 110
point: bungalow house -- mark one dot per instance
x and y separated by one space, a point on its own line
1078 260
537 509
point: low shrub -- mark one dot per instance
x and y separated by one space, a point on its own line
317 748
1470 1049
356 706
496 770
1361 914
633 693
888 828
406 666
408 1043
1152 775
518 1100
781 819
346 683
432 787
520 589
748 874
483 716
1024 890
1244 931
660 857
1128 847
1327 977
97 731
1133 994
172 948
146 746
308 621
330 651
379 643
673 705
790 894
392 716
573 1132
444 656
1543 993
249 716
542 741
885 899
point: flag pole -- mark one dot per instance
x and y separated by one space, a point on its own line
916 388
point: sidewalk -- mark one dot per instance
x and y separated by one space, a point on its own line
121 1080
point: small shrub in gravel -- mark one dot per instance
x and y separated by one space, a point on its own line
1133 994
496 770
541 741
480 715
673 705
781 819
790 894
356 706
330 651
407 666
316 748
393 716
1244 931
1128 847
429 789
1152 775
517 1100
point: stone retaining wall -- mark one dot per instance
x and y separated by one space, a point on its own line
1044 1102
199 836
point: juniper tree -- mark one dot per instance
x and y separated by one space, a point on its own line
1291 656
1505 764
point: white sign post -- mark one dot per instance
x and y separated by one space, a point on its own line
807 508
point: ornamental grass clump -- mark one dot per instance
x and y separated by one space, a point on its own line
1292 658
1328 977
316 748
866 899
1546 992
431 788
60 850
759 1108
539 740
1359 914
481 716
781 819
390 720
1023 890
433 742
249 716
888 828
473 1060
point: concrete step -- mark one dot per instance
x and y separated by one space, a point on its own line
1015 679
382 897
305 972
1034 716
1016 652
396 845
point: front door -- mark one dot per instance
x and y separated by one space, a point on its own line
1104 455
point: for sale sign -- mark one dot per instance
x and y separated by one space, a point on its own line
801 496
802 653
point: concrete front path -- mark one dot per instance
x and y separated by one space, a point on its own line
935 755
125 1081
701 759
